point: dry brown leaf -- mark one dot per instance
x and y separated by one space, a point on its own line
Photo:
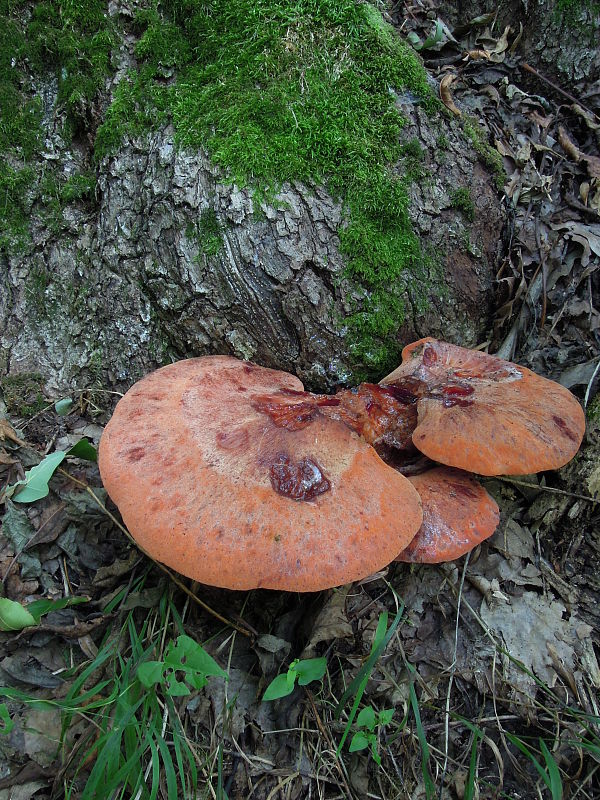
594 199
584 191
568 145
590 120
446 94
331 623
477 54
5 458
502 43
8 432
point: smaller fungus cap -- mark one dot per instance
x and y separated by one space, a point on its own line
230 474
486 415
458 514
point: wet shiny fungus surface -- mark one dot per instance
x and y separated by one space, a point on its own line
303 480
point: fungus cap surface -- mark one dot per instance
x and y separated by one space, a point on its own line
486 415
223 472
458 514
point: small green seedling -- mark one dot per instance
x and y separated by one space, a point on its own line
183 656
305 671
434 38
368 721
356 689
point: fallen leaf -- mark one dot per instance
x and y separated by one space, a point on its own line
544 621
568 145
331 623
446 94
502 43
590 119
477 54
593 165
5 458
8 432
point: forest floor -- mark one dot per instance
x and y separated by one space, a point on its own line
489 663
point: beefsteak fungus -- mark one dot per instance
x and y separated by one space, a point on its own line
458 514
485 415
231 474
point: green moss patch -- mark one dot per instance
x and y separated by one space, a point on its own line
293 91
461 199
23 393
65 42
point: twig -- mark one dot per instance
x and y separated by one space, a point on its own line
588 390
547 489
570 97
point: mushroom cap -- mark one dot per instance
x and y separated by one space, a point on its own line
458 514
486 415
229 473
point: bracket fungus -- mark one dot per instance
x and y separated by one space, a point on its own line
235 476
458 514
482 414
231 474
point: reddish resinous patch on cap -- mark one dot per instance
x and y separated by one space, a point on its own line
303 480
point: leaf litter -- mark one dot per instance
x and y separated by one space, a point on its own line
506 641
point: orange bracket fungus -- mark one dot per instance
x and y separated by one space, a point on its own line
235 476
458 514
231 474
482 414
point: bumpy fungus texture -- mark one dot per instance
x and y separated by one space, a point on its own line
482 414
458 514
232 475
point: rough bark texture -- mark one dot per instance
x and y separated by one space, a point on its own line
564 46
117 286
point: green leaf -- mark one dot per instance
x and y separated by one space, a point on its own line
374 753
62 407
427 779
189 655
435 37
176 688
359 741
150 672
278 687
556 787
385 717
14 616
8 724
311 669
83 449
366 718
36 479
40 607
470 782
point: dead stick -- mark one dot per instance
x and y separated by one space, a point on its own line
547 489
558 89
